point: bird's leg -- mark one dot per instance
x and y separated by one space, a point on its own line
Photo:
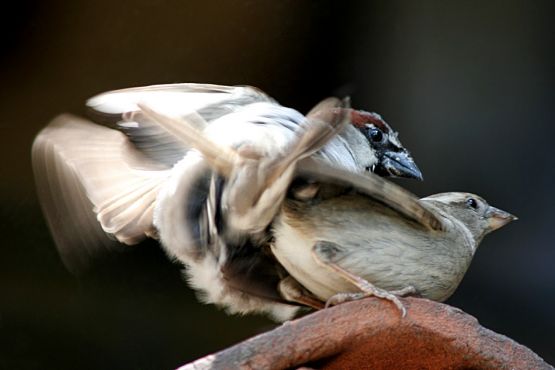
327 254
366 287
293 291
380 293
405 292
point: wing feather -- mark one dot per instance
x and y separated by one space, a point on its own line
210 102
94 187
375 187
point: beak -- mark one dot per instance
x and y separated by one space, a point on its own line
398 164
498 218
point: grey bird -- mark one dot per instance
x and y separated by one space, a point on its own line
342 235
143 179
371 237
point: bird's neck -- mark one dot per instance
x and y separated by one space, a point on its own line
349 150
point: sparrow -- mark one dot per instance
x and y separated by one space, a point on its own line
369 237
245 114
143 179
342 235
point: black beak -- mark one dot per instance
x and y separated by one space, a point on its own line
398 164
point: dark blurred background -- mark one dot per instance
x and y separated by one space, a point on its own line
470 86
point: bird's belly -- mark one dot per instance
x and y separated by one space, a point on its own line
391 259
294 251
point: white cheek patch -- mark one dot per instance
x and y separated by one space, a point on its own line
394 139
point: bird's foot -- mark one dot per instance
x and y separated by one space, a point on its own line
369 290
406 291
328 254
344 297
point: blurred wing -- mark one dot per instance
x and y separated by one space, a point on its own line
322 123
375 187
210 101
91 182
256 184
175 100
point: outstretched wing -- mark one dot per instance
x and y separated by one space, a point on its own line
256 183
210 102
95 188
373 186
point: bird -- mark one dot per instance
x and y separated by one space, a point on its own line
141 180
343 235
373 238
240 114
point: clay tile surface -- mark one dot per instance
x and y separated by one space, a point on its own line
370 334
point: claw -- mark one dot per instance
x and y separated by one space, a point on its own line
369 290
384 294
342 298
379 293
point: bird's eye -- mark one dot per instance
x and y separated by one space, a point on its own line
472 203
375 135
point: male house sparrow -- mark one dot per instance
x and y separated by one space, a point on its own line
148 180
244 114
344 235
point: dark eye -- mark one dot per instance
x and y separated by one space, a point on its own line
472 203
375 135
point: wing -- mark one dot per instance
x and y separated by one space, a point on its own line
176 100
210 101
373 186
94 188
256 184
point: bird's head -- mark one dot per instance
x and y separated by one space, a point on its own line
473 211
390 157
